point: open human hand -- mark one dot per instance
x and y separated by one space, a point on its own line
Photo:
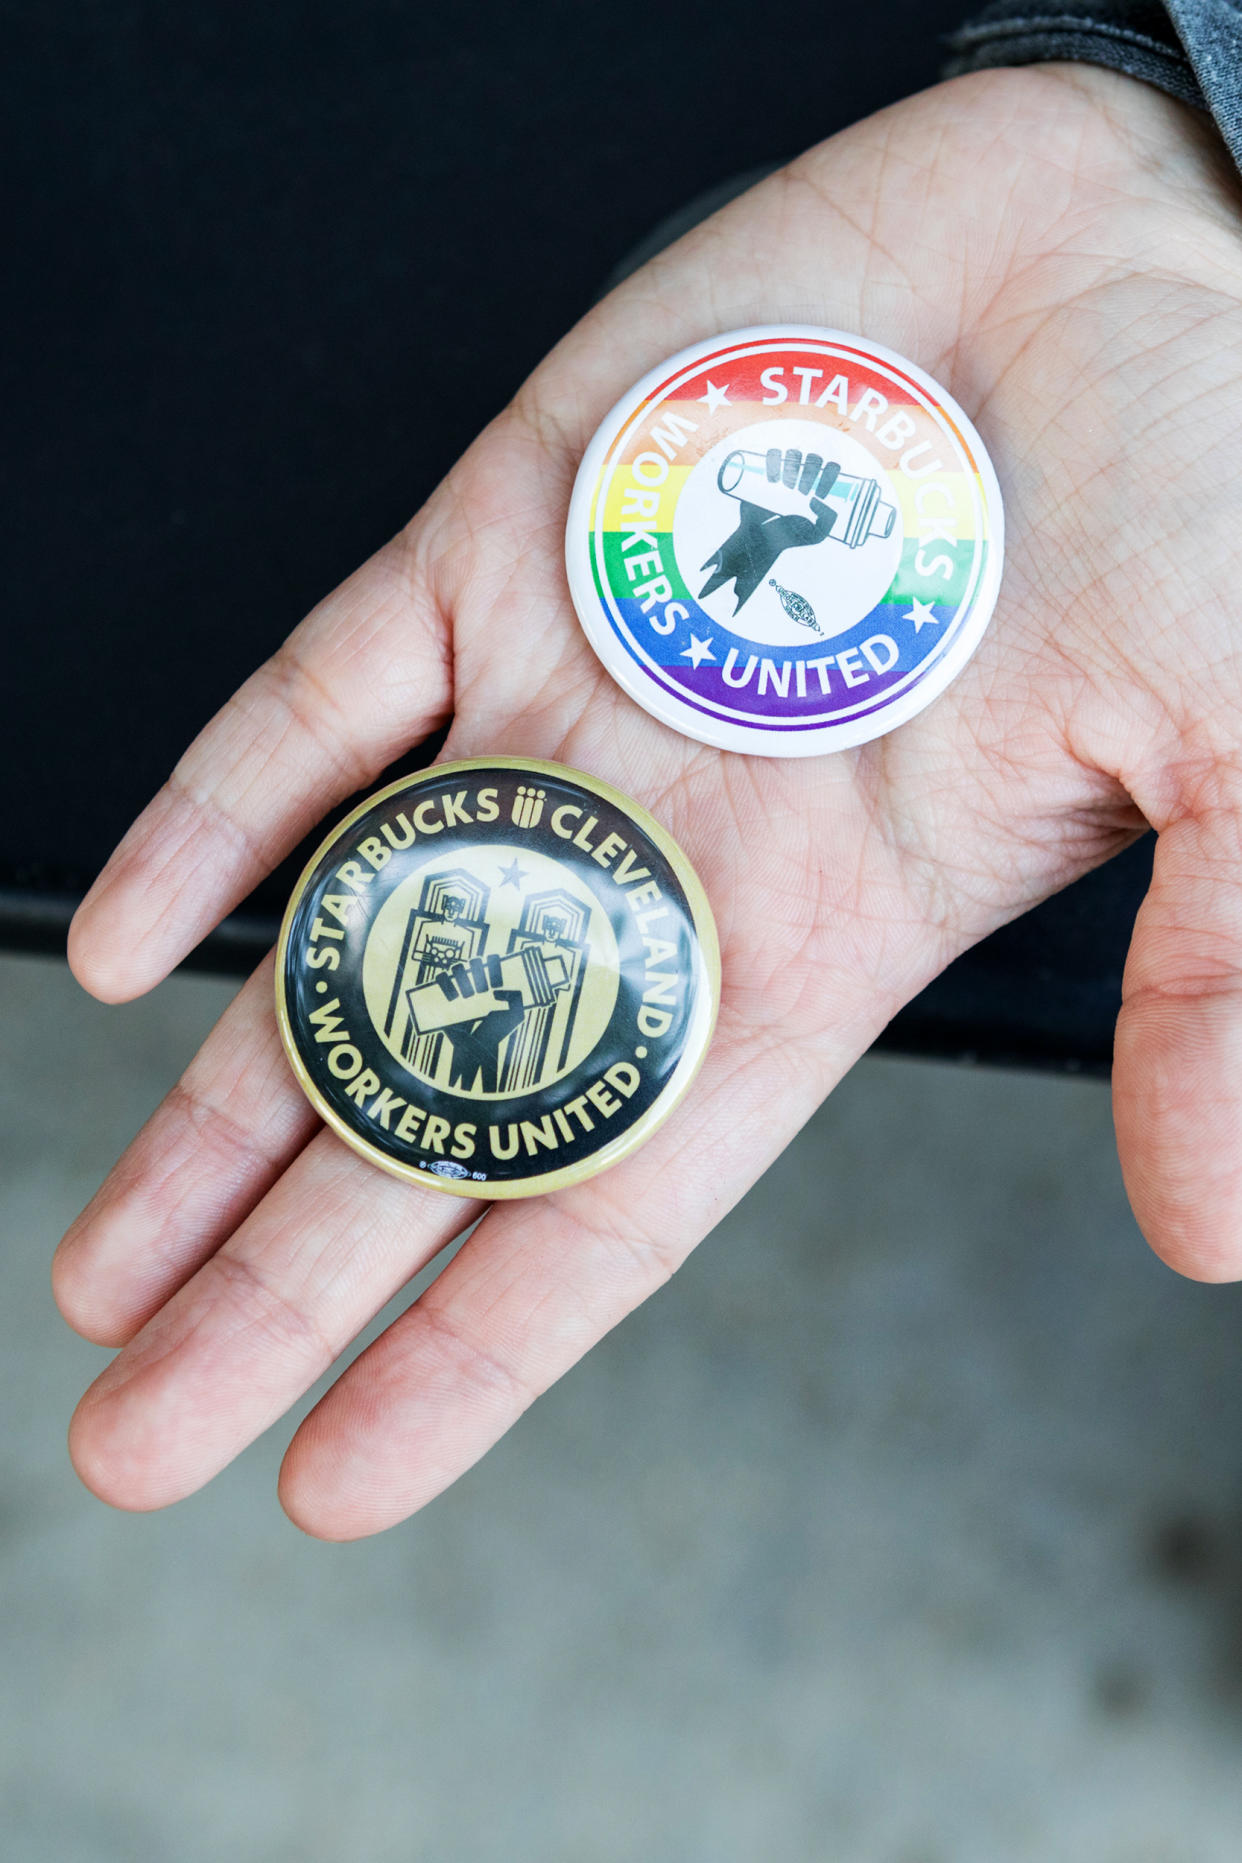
1063 249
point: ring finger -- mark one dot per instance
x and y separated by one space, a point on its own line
258 1323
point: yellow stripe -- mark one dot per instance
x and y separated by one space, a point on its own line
958 518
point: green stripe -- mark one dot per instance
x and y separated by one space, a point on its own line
617 561
947 591
908 583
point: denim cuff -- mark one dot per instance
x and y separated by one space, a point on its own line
1190 48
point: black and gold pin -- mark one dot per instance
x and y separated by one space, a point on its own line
497 977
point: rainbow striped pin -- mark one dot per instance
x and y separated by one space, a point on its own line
786 541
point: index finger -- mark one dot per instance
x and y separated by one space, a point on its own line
367 674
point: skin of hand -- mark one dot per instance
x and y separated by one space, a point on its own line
1062 248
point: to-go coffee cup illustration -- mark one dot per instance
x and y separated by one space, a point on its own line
487 986
790 500
786 481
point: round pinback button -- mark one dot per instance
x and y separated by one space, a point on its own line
497 977
785 541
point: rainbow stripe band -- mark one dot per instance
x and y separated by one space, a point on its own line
785 540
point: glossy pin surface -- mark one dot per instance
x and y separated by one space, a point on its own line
785 541
497 977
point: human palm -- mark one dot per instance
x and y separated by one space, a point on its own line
1061 248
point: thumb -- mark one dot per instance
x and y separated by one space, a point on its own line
1177 1071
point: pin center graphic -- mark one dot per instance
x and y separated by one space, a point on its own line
799 498
491 972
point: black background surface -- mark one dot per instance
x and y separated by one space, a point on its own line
270 271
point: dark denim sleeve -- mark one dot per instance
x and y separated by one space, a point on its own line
1190 48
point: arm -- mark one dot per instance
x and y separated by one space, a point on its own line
1191 49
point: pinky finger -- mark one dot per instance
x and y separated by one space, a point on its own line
204 1159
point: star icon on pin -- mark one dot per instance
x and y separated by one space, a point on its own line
921 615
716 398
514 875
698 650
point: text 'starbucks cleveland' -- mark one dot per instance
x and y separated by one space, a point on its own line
494 974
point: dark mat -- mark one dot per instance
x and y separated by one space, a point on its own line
270 271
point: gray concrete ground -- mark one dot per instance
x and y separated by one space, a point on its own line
905 1527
